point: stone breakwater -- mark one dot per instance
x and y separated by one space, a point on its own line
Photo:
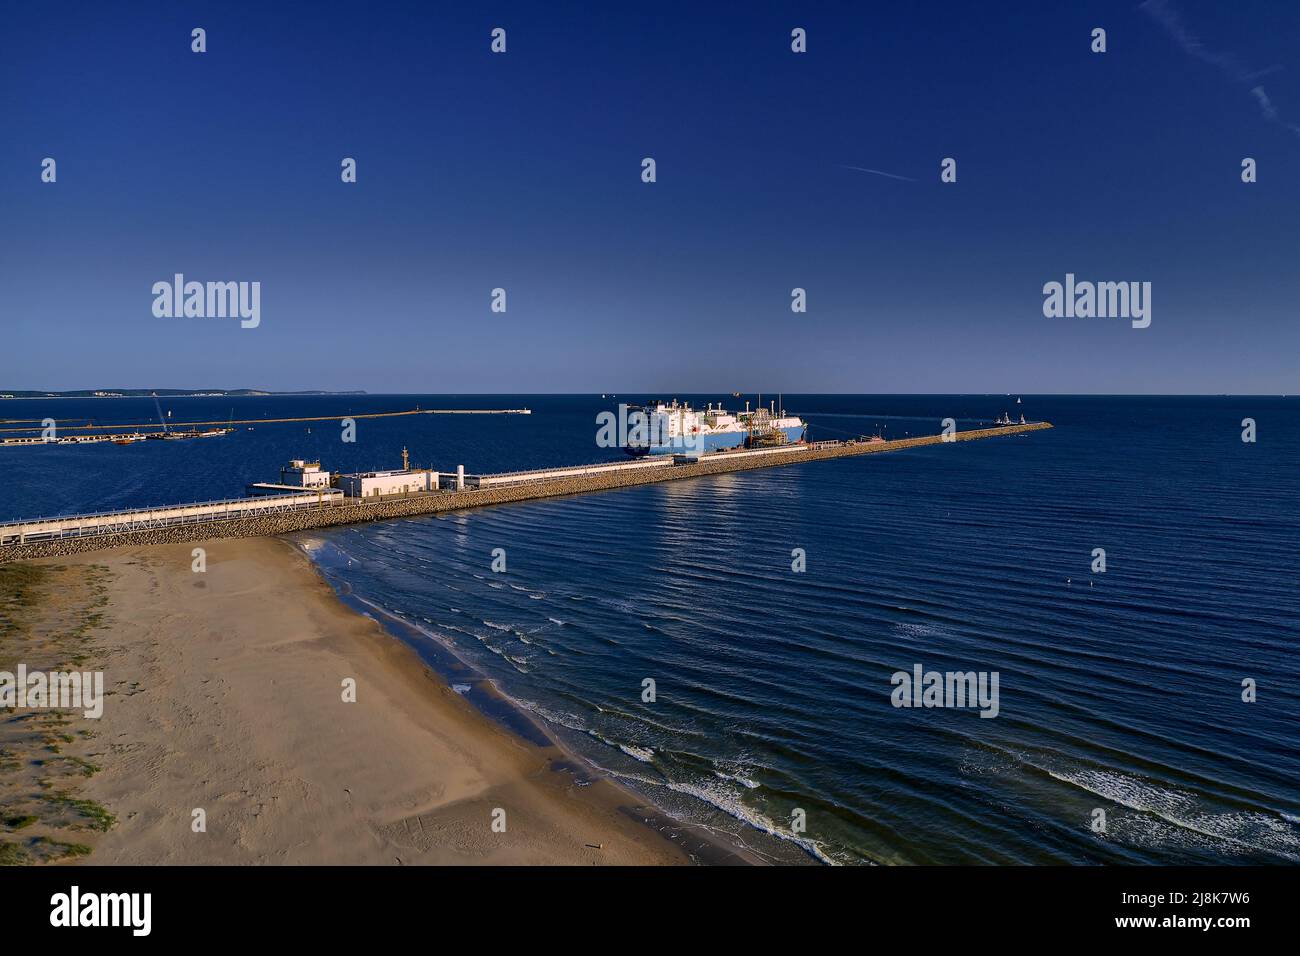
355 511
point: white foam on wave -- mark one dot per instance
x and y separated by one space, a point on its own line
743 781
643 754
316 548
1247 831
731 804
618 604
915 630
571 721
721 798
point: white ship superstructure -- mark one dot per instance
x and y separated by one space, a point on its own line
664 428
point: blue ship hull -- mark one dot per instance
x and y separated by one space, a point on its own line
708 445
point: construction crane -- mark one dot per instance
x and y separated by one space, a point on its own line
158 405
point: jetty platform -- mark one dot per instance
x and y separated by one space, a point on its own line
326 507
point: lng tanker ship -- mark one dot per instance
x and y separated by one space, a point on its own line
662 428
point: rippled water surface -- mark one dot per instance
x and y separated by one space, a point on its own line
1119 691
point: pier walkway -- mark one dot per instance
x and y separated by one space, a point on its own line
142 519
318 508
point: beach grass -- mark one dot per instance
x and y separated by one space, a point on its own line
48 615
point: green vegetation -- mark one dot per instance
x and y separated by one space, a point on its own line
93 815
87 768
18 582
62 849
48 613
12 854
39 850
19 590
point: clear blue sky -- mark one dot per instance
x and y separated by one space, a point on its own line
523 171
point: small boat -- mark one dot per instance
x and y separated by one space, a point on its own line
128 439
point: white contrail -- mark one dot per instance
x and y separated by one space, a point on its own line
878 172
1167 16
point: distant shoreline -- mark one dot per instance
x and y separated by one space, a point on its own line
164 393
613 396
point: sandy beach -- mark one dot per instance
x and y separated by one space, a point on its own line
225 694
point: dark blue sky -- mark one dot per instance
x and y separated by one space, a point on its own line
523 171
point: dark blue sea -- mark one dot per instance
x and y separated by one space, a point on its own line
1119 692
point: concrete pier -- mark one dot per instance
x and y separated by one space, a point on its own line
341 511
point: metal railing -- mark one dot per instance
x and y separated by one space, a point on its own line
532 474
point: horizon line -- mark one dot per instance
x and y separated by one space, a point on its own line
320 392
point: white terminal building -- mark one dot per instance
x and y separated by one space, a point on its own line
376 484
370 484
301 475
297 476
304 474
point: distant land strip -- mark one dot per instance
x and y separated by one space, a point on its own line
19 394
273 421
356 511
